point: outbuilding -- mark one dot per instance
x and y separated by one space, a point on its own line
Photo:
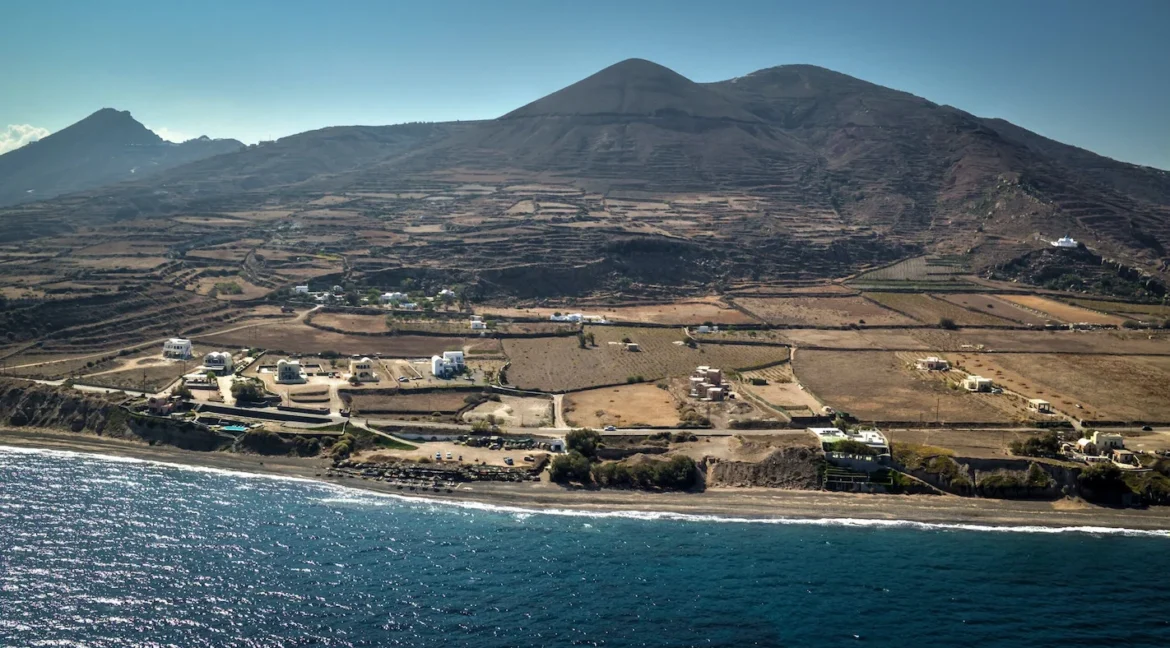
1039 405
179 348
977 384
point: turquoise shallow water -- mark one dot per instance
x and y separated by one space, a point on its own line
101 552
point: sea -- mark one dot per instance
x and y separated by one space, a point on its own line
101 551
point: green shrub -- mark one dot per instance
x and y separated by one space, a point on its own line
1044 445
571 467
583 441
849 446
677 473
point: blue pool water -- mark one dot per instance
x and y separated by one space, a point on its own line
104 552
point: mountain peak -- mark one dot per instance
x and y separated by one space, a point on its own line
634 88
112 126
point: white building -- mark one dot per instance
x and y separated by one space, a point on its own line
301 290
707 329
218 361
478 325
566 317
177 348
408 306
392 297
446 293
289 371
932 363
1039 406
363 370
870 437
977 384
1108 441
448 364
1065 242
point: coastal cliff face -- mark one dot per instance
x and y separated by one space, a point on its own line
31 404
789 468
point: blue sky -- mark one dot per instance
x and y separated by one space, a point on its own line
1093 74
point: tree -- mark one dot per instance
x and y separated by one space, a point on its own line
481 427
947 323
572 467
580 340
247 390
583 441
626 340
182 391
590 339
1044 445
850 446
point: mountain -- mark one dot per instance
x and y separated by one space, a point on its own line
107 147
835 166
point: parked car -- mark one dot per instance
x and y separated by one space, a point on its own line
508 460
528 458
610 428
449 456
438 456
403 379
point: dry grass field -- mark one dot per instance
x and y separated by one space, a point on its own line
625 406
821 311
296 337
929 310
154 377
1127 388
680 313
879 386
782 390
444 402
1125 309
994 307
1062 312
352 322
558 364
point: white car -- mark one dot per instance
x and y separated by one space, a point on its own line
449 456
610 428
438 456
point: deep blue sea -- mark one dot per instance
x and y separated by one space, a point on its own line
108 552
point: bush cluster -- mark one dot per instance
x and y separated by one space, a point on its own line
677 473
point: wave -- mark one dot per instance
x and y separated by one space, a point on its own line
349 495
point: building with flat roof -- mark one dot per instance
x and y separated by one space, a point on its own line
977 384
1065 242
363 370
179 348
871 437
1039 405
932 363
218 361
289 371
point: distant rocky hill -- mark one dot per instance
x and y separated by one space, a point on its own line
107 147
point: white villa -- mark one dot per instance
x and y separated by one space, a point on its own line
392 297
218 361
1065 242
933 363
289 371
977 384
448 364
478 325
179 348
566 317
363 370
301 290
707 329
870 437
445 293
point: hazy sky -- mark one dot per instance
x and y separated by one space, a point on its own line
1094 74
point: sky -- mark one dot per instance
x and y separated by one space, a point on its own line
1093 74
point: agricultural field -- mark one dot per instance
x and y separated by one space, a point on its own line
1126 388
558 364
297 337
150 377
822 311
939 272
309 395
625 406
1062 312
994 306
442 401
881 386
781 390
679 313
1125 309
929 310
352 322
514 411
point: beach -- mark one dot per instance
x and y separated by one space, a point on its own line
722 502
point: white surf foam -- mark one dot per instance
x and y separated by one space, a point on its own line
348 495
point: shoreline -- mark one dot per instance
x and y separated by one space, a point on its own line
749 504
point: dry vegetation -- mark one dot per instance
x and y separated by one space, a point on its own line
624 406
558 364
995 307
877 386
297 337
930 310
1062 312
441 401
821 311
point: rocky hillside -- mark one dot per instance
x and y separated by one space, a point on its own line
30 404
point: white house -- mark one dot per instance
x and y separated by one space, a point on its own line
289 371
363 370
179 348
707 329
977 384
933 363
478 325
392 297
1065 242
566 317
408 306
870 437
448 364
301 290
1108 441
446 293
1039 406
218 361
